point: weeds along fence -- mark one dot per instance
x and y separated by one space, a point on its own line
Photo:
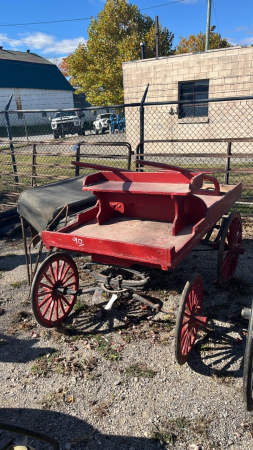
213 135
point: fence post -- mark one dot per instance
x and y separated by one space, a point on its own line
142 123
33 165
77 160
62 128
227 167
10 138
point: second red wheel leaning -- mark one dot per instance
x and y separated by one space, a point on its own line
189 318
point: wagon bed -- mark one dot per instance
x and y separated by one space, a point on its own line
142 218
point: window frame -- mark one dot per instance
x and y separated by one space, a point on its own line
194 106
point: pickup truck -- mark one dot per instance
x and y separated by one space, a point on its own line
102 123
67 122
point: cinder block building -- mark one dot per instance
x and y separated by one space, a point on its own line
213 74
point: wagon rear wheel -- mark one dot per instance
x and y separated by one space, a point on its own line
247 368
52 290
230 248
189 318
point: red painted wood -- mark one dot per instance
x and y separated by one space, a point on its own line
169 177
122 250
180 220
98 166
154 219
142 206
166 166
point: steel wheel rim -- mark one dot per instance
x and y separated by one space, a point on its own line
232 239
51 306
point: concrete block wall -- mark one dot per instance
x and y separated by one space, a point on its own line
230 74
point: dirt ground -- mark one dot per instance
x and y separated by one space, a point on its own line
109 379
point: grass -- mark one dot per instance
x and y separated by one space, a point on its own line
79 306
180 428
137 370
108 349
18 284
60 167
164 437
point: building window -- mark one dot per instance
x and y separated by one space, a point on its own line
44 114
193 90
20 116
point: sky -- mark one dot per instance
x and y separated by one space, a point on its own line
20 30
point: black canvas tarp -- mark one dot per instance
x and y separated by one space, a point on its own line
40 205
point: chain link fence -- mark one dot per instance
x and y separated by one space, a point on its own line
36 147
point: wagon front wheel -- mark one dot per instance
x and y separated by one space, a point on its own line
189 318
54 289
230 248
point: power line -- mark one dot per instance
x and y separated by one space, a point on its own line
38 23
25 41
82 18
216 17
164 4
33 29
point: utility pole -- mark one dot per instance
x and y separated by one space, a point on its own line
156 36
208 21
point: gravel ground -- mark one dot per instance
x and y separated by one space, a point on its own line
109 379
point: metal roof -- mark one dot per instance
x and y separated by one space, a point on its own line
23 56
30 71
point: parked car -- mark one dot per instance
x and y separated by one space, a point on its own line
67 122
102 123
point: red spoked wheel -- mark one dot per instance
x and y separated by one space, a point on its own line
230 248
54 289
189 318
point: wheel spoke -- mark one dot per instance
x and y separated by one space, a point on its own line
64 299
185 346
56 310
49 288
192 336
65 272
190 300
52 274
45 292
184 331
46 308
187 315
49 296
67 279
61 306
61 269
199 320
48 279
70 284
56 269
226 263
51 312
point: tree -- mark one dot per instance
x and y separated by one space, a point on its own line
114 37
64 67
196 43
56 61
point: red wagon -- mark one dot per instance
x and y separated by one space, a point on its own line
147 218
